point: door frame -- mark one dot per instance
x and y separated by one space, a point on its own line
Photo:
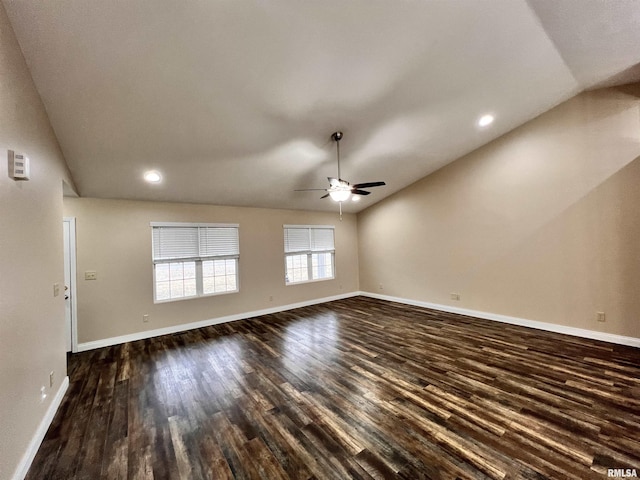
72 281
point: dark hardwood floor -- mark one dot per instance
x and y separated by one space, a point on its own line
357 388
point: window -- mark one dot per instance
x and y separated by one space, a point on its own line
193 260
309 253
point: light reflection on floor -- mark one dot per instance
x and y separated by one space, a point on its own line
305 347
180 374
310 343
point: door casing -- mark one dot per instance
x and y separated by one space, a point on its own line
71 305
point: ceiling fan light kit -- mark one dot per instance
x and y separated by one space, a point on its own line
340 190
340 195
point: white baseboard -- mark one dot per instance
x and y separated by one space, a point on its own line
36 440
550 327
106 342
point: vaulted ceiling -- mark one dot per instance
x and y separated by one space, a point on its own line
234 102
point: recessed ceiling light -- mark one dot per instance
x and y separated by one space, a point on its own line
152 176
485 120
355 198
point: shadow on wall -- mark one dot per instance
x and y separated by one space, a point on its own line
586 259
632 89
538 224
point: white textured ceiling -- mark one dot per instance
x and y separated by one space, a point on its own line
234 102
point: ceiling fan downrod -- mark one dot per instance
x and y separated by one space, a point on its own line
336 137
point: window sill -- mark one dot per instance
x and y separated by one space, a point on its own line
194 297
288 284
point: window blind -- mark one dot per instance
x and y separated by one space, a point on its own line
308 239
171 242
321 239
218 241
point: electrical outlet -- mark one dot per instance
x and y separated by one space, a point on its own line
56 289
145 318
271 298
600 316
381 287
51 378
91 275
455 296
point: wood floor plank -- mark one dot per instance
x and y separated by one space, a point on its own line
356 388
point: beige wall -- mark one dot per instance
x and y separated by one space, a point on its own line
114 239
541 224
31 260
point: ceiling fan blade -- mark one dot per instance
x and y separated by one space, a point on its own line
368 185
311 190
324 196
355 191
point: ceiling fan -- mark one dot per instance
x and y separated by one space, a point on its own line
340 190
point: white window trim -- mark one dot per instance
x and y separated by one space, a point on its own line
198 261
180 224
309 254
332 227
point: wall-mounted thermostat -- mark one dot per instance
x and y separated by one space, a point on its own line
18 166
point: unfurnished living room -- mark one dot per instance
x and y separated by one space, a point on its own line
320 240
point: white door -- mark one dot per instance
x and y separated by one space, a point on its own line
69 231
